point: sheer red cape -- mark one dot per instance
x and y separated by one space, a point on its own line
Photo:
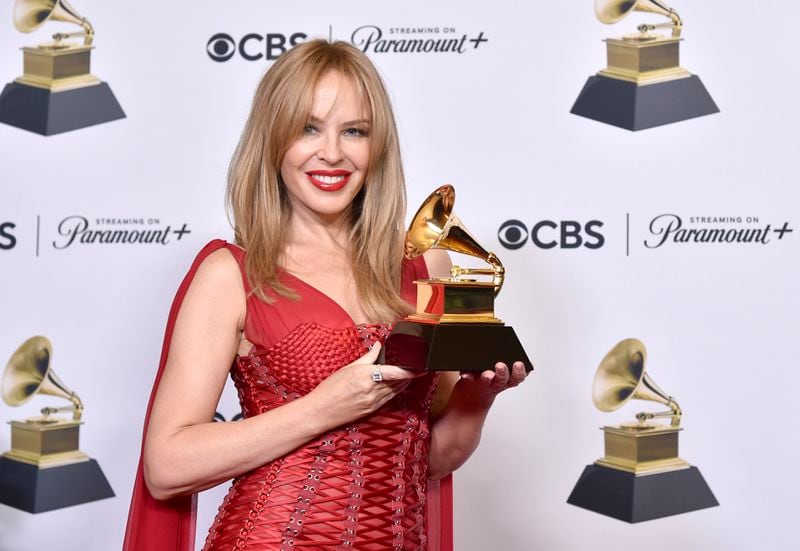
169 525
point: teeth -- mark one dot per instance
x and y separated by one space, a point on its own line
328 179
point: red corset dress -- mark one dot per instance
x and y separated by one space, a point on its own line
360 486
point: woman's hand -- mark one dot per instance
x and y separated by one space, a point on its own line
481 389
351 393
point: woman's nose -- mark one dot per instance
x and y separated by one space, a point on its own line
330 150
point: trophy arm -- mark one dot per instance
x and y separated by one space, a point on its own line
87 33
76 408
499 272
675 413
676 25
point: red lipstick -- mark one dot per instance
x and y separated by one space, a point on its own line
329 180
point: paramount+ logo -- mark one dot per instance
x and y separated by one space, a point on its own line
253 46
551 234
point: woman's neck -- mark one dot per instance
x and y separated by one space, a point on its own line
315 241
314 228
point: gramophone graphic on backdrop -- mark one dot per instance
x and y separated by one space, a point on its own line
641 476
644 85
45 470
56 92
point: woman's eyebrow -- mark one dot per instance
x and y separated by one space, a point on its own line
316 120
356 122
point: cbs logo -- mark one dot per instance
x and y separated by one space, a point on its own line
7 238
221 47
547 234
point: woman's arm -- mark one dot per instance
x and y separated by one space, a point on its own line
462 401
185 451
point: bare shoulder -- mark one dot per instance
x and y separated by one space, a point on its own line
438 263
218 282
219 267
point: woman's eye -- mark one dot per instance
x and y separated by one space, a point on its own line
357 132
309 129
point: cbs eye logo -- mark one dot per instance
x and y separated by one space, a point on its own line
222 46
513 234
548 234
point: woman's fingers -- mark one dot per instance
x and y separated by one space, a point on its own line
371 356
501 375
386 391
517 374
395 373
499 378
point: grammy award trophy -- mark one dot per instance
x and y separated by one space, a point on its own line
644 85
45 470
641 476
56 92
454 327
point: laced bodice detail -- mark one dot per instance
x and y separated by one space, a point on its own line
360 486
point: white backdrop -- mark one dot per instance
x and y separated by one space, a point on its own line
719 320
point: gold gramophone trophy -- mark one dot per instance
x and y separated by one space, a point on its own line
45 470
644 85
454 327
56 92
641 477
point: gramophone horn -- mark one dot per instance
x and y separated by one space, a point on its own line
29 372
29 15
611 11
435 226
621 377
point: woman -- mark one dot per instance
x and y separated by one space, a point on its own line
333 451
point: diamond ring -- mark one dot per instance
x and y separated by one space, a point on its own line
377 376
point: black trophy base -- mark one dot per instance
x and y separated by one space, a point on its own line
29 488
452 346
626 105
631 498
45 112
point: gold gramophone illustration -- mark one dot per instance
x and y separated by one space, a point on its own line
640 477
454 327
643 85
45 468
56 92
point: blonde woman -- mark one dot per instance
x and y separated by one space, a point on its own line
334 451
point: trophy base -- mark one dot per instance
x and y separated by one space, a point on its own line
642 449
47 112
28 488
636 107
452 347
625 496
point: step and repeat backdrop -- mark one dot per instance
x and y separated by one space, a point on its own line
685 236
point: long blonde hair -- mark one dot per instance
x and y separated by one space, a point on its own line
257 197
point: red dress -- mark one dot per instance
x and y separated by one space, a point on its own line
361 486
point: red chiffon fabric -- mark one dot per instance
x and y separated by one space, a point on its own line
357 487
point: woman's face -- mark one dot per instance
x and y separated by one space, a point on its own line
324 168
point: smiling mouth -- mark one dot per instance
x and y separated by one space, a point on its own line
329 180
